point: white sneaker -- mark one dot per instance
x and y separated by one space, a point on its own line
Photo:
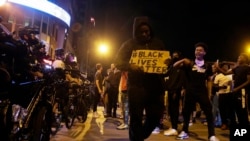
182 135
122 127
156 130
213 138
190 124
170 132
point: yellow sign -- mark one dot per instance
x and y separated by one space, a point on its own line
152 61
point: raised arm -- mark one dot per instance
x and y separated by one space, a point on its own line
216 65
185 62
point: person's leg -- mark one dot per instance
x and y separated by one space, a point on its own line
121 103
188 107
223 108
125 120
126 108
115 100
96 101
216 113
136 98
241 110
206 106
173 99
110 102
154 111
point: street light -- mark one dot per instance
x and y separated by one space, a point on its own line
248 48
103 48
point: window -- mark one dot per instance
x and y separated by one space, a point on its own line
44 28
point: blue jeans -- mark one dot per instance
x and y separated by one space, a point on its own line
124 98
216 111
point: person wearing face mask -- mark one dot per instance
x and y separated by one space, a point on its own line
175 86
198 74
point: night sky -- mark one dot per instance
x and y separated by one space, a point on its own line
225 27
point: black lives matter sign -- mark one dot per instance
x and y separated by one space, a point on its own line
152 61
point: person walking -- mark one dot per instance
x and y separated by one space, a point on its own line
145 90
198 72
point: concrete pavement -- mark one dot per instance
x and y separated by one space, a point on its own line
102 129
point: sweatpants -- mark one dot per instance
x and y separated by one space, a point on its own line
173 106
140 99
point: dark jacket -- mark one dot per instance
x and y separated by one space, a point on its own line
139 78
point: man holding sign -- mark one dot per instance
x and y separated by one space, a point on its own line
143 57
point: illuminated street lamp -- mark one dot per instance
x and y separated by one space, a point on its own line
103 48
248 48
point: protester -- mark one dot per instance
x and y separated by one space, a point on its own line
98 88
145 90
175 84
241 80
124 101
198 72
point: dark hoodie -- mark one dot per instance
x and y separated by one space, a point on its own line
139 78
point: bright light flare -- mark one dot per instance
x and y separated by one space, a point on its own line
248 48
2 2
103 48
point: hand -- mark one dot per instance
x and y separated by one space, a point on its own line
216 64
100 92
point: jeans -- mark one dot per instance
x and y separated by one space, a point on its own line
125 103
216 111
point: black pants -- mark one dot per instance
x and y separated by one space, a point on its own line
112 101
239 108
140 99
224 100
173 106
190 100
97 98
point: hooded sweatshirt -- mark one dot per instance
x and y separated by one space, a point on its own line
139 78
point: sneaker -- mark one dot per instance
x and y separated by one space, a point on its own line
156 130
205 123
213 138
122 127
182 135
190 124
96 115
170 132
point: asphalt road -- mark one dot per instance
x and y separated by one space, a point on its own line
91 131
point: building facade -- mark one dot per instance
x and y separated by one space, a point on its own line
51 20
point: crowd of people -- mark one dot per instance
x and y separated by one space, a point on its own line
140 95
188 83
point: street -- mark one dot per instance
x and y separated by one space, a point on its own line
91 130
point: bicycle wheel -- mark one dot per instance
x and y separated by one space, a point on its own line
82 112
42 125
70 115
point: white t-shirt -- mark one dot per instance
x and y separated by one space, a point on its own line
223 80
